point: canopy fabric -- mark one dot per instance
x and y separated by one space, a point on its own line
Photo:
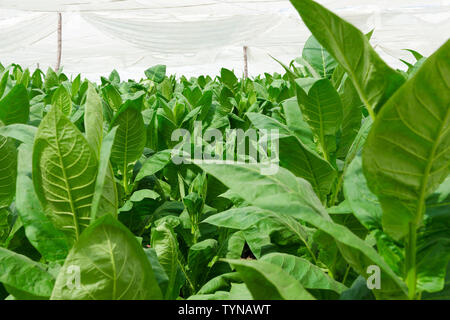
200 36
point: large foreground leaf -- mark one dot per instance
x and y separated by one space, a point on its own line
111 264
406 155
64 173
42 234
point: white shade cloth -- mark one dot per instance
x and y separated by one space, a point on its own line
200 36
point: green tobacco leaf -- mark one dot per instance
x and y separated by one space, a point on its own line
156 73
42 234
21 132
267 281
62 100
51 79
64 173
199 259
352 118
131 135
221 282
374 80
112 97
25 278
297 157
364 204
433 244
308 274
8 171
165 243
158 270
284 193
406 156
3 83
15 106
318 57
5 227
228 78
153 164
296 123
105 197
105 200
93 119
358 291
75 87
110 264
444 294
322 110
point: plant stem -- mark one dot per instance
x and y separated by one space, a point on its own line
338 189
410 260
346 274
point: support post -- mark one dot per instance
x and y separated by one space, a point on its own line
58 54
245 63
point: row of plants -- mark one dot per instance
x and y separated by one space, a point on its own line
92 205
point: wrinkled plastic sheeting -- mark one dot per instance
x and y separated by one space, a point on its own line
201 36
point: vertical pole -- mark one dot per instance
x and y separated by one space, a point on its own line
245 63
58 56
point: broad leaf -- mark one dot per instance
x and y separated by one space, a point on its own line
156 73
154 164
25 278
62 100
42 234
8 171
64 173
267 281
15 106
322 110
406 156
199 259
352 118
105 200
318 57
111 265
131 135
165 243
308 274
363 202
93 119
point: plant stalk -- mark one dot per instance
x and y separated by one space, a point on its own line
410 261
